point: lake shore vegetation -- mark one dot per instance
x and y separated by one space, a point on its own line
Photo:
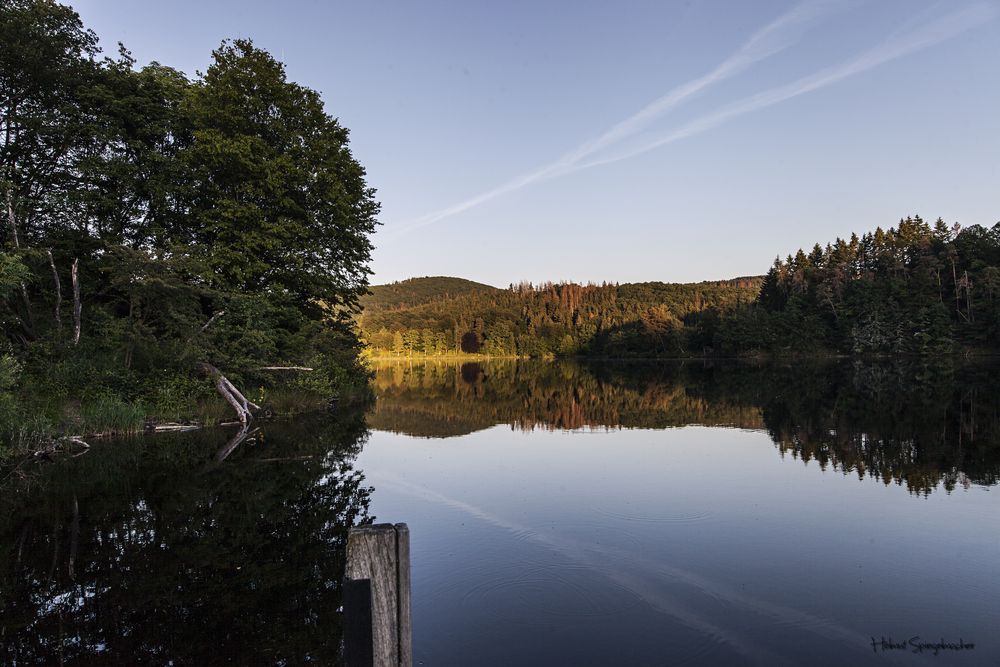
916 289
156 226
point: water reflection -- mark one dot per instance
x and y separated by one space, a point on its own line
899 423
223 547
158 551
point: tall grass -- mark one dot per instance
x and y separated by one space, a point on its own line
110 414
25 435
292 400
212 410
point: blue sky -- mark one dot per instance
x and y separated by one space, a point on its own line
627 141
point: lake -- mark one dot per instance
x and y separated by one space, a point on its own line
560 513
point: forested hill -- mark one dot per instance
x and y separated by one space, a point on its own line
414 291
914 289
446 315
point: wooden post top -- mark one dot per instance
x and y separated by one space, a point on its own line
380 555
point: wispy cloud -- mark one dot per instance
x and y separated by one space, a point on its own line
769 40
897 46
773 38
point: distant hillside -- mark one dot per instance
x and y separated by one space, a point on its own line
415 291
915 289
435 316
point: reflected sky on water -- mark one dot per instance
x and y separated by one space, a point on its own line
560 513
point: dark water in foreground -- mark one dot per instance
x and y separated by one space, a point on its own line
559 515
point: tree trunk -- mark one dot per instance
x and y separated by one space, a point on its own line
954 279
967 286
241 411
55 277
77 306
29 317
28 323
229 392
10 219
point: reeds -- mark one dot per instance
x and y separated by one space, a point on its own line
111 415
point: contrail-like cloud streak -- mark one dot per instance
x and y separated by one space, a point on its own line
925 36
769 40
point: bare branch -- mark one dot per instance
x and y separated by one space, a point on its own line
210 320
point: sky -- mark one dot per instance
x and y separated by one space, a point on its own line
623 141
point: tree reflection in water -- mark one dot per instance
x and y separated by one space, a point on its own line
205 548
153 551
925 427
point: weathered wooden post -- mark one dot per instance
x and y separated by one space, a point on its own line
377 631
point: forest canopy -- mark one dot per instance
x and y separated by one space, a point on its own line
638 319
153 221
915 289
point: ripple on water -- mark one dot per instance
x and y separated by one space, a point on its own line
577 534
645 518
549 590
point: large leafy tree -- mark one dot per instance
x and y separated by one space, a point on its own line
278 202
153 204
46 63
132 181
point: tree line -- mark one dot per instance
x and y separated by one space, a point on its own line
152 220
914 289
638 319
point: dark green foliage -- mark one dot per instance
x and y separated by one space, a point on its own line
279 203
419 290
639 320
219 219
47 124
913 290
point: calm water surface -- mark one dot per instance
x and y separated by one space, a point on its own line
559 514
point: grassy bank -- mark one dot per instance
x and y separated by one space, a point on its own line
382 356
33 418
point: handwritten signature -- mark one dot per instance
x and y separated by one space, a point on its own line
918 645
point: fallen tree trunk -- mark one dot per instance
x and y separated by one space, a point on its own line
241 404
171 427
